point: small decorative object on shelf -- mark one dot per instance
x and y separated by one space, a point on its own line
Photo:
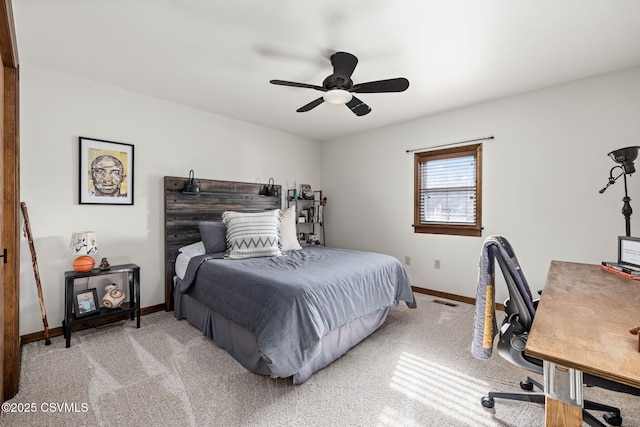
306 192
86 302
113 297
313 239
104 265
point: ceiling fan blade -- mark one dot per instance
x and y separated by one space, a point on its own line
294 84
390 85
343 64
358 107
311 105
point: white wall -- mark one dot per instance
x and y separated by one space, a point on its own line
541 176
534 193
168 139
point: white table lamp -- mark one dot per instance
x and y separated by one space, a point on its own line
83 244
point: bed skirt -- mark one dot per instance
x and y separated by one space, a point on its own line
241 344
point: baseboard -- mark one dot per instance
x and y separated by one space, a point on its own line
55 332
459 298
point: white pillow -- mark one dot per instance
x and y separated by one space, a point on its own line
288 233
182 262
193 249
252 235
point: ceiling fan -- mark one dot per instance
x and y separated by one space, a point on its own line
339 87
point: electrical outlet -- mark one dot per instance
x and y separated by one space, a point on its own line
436 264
407 260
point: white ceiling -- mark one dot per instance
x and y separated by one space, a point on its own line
219 55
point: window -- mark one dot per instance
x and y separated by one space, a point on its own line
448 191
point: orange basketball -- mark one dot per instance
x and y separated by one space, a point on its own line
83 264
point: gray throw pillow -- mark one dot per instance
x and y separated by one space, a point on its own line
214 236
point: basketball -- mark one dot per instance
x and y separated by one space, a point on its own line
83 264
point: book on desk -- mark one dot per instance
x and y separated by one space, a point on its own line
622 270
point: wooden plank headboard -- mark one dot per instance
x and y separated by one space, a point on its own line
183 212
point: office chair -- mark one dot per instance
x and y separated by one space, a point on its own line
520 309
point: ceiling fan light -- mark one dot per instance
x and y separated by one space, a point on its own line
337 96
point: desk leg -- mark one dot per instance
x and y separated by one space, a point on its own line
563 390
558 413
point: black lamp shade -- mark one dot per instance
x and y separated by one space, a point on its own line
625 156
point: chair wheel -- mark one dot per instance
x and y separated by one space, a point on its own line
488 402
526 385
612 419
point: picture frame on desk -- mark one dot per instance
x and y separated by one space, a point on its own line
629 251
85 302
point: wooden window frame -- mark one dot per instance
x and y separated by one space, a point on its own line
443 228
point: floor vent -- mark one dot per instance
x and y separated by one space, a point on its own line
450 304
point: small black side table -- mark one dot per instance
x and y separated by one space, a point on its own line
133 306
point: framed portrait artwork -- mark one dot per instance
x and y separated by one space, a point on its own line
106 172
86 302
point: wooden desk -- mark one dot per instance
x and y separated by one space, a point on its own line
582 322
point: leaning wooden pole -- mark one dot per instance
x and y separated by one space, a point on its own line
34 259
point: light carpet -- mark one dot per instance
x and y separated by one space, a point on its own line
416 370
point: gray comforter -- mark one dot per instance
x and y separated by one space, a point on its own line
290 302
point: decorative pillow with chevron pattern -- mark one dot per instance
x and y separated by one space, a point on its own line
252 234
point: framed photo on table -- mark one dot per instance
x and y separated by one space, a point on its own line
86 302
106 172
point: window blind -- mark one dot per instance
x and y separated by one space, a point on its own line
448 191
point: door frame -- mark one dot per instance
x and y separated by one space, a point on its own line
11 206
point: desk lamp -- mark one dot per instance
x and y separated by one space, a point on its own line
83 243
624 157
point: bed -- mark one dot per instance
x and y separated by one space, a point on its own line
284 315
